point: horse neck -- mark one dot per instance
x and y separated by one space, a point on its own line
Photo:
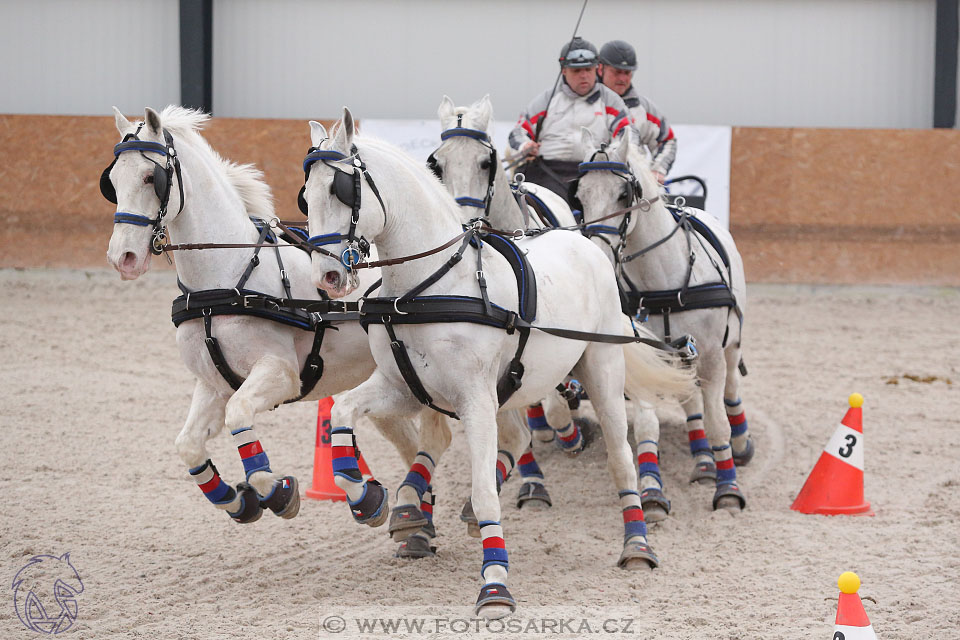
664 267
420 216
212 213
505 212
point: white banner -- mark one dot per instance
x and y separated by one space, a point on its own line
702 151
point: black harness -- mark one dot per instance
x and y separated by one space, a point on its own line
639 304
239 300
162 181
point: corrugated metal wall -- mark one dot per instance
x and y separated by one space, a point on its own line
825 63
82 57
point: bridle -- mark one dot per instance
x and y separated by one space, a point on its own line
162 181
483 138
347 188
635 192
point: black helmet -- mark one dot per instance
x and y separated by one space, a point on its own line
578 53
619 54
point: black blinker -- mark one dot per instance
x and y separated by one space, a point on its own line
301 201
106 186
344 188
572 198
161 183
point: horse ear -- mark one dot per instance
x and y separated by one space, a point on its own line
445 110
318 133
623 146
123 125
349 126
152 120
587 141
483 109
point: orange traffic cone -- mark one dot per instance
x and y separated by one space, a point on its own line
852 622
323 487
835 486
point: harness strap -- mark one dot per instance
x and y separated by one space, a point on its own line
442 271
255 260
409 374
216 355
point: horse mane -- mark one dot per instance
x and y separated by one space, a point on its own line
420 171
254 192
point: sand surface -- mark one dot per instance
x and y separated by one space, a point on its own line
94 394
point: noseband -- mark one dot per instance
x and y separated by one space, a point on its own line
347 187
483 138
162 181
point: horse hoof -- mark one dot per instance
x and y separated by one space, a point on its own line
655 505
637 555
533 494
467 515
250 509
730 498
371 508
416 547
744 457
494 602
284 500
405 521
705 472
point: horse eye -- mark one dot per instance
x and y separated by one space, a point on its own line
485 164
624 195
148 179
333 190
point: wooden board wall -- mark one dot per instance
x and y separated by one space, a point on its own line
807 205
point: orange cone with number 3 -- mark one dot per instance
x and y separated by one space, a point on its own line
835 486
323 487
852 622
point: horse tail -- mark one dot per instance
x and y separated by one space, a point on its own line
653 375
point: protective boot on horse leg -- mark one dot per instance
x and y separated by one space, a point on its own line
728 494
646 430
411 520
204 421
271 381
740 440
704 466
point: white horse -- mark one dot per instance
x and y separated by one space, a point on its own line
209 200
467 164
455 366
682 282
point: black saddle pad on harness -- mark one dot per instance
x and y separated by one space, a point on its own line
705 232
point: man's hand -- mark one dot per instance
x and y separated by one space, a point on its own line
660 177
531 149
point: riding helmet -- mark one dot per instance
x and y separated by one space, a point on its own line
619 54
578 53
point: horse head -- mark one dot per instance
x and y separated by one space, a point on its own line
343 208
466 161
143 181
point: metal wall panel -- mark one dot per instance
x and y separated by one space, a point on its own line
822 63
82 57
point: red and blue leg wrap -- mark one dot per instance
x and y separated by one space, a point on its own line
343 452
698 437
528 466
648 463
208 479
726 470
738 421
633 522
569 436
421 471
504 467
536 420
251 451
494 548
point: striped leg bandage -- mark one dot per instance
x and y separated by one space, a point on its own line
251 451
569 437
346 472
420 474
536 420
214 488
737 418
529 468
697 436
494 548
633 522
648 462
726 470
504 467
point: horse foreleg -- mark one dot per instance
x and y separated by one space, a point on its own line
646 431
413 515
704 467
205 420
740 440
478 413
602 374
376 399
728 494
271 381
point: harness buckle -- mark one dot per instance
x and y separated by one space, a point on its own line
644 205
402 313
518 234
679 298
